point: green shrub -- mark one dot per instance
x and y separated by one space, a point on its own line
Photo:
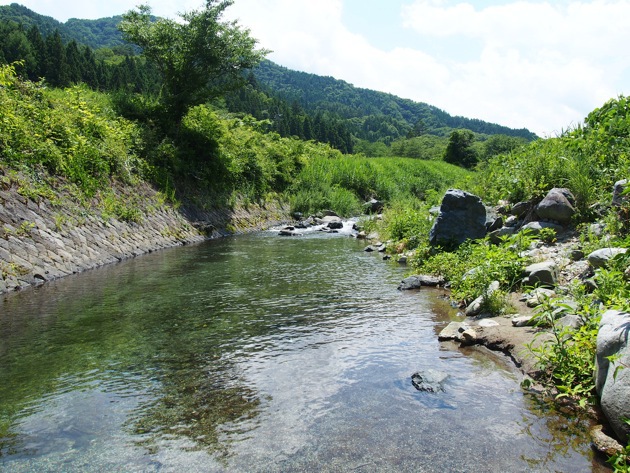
568 359
473 266
587 160
72 132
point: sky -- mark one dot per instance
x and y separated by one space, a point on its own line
541 65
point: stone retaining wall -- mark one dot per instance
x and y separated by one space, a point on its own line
42 241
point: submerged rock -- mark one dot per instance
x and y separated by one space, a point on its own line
288 231
431 381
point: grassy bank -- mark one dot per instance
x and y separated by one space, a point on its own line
344 183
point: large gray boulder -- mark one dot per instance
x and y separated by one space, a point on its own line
462 216
600 258
541 274
612 379
557 205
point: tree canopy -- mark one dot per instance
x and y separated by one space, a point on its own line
199 58
460 149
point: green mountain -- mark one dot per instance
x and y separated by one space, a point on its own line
101 33
371 115
298 103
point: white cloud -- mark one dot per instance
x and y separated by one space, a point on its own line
539 65
543 65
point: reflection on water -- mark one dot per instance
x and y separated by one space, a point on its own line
257 354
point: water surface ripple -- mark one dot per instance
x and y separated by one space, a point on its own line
258 353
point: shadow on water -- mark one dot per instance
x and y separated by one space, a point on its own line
257 354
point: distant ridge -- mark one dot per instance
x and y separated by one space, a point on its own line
370 115
320 93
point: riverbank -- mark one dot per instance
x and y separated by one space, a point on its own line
515 332
43 238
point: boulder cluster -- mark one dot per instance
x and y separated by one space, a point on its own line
327 221
463 216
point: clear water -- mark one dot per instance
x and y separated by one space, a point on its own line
258 353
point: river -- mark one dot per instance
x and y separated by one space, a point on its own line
259 353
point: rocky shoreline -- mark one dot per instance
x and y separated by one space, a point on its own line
555 265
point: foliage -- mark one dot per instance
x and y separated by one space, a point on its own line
72 132
587 160
407 222
473 266
421 147
62 64
613 289
568 360
328 178
460 150
620 462
198 58
501 144
290 119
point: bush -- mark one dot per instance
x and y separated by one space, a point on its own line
587 160
473 266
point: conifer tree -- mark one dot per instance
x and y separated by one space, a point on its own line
56 66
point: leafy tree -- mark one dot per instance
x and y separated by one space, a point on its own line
460 150
499 144
199 58
16 47
74 62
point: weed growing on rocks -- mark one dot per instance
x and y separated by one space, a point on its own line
567 360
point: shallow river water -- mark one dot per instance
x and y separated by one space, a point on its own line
258 353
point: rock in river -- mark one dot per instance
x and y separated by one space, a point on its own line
430 380
419 280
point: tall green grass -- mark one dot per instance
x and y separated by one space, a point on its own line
344 183
587 159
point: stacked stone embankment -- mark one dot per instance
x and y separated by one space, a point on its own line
43 240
